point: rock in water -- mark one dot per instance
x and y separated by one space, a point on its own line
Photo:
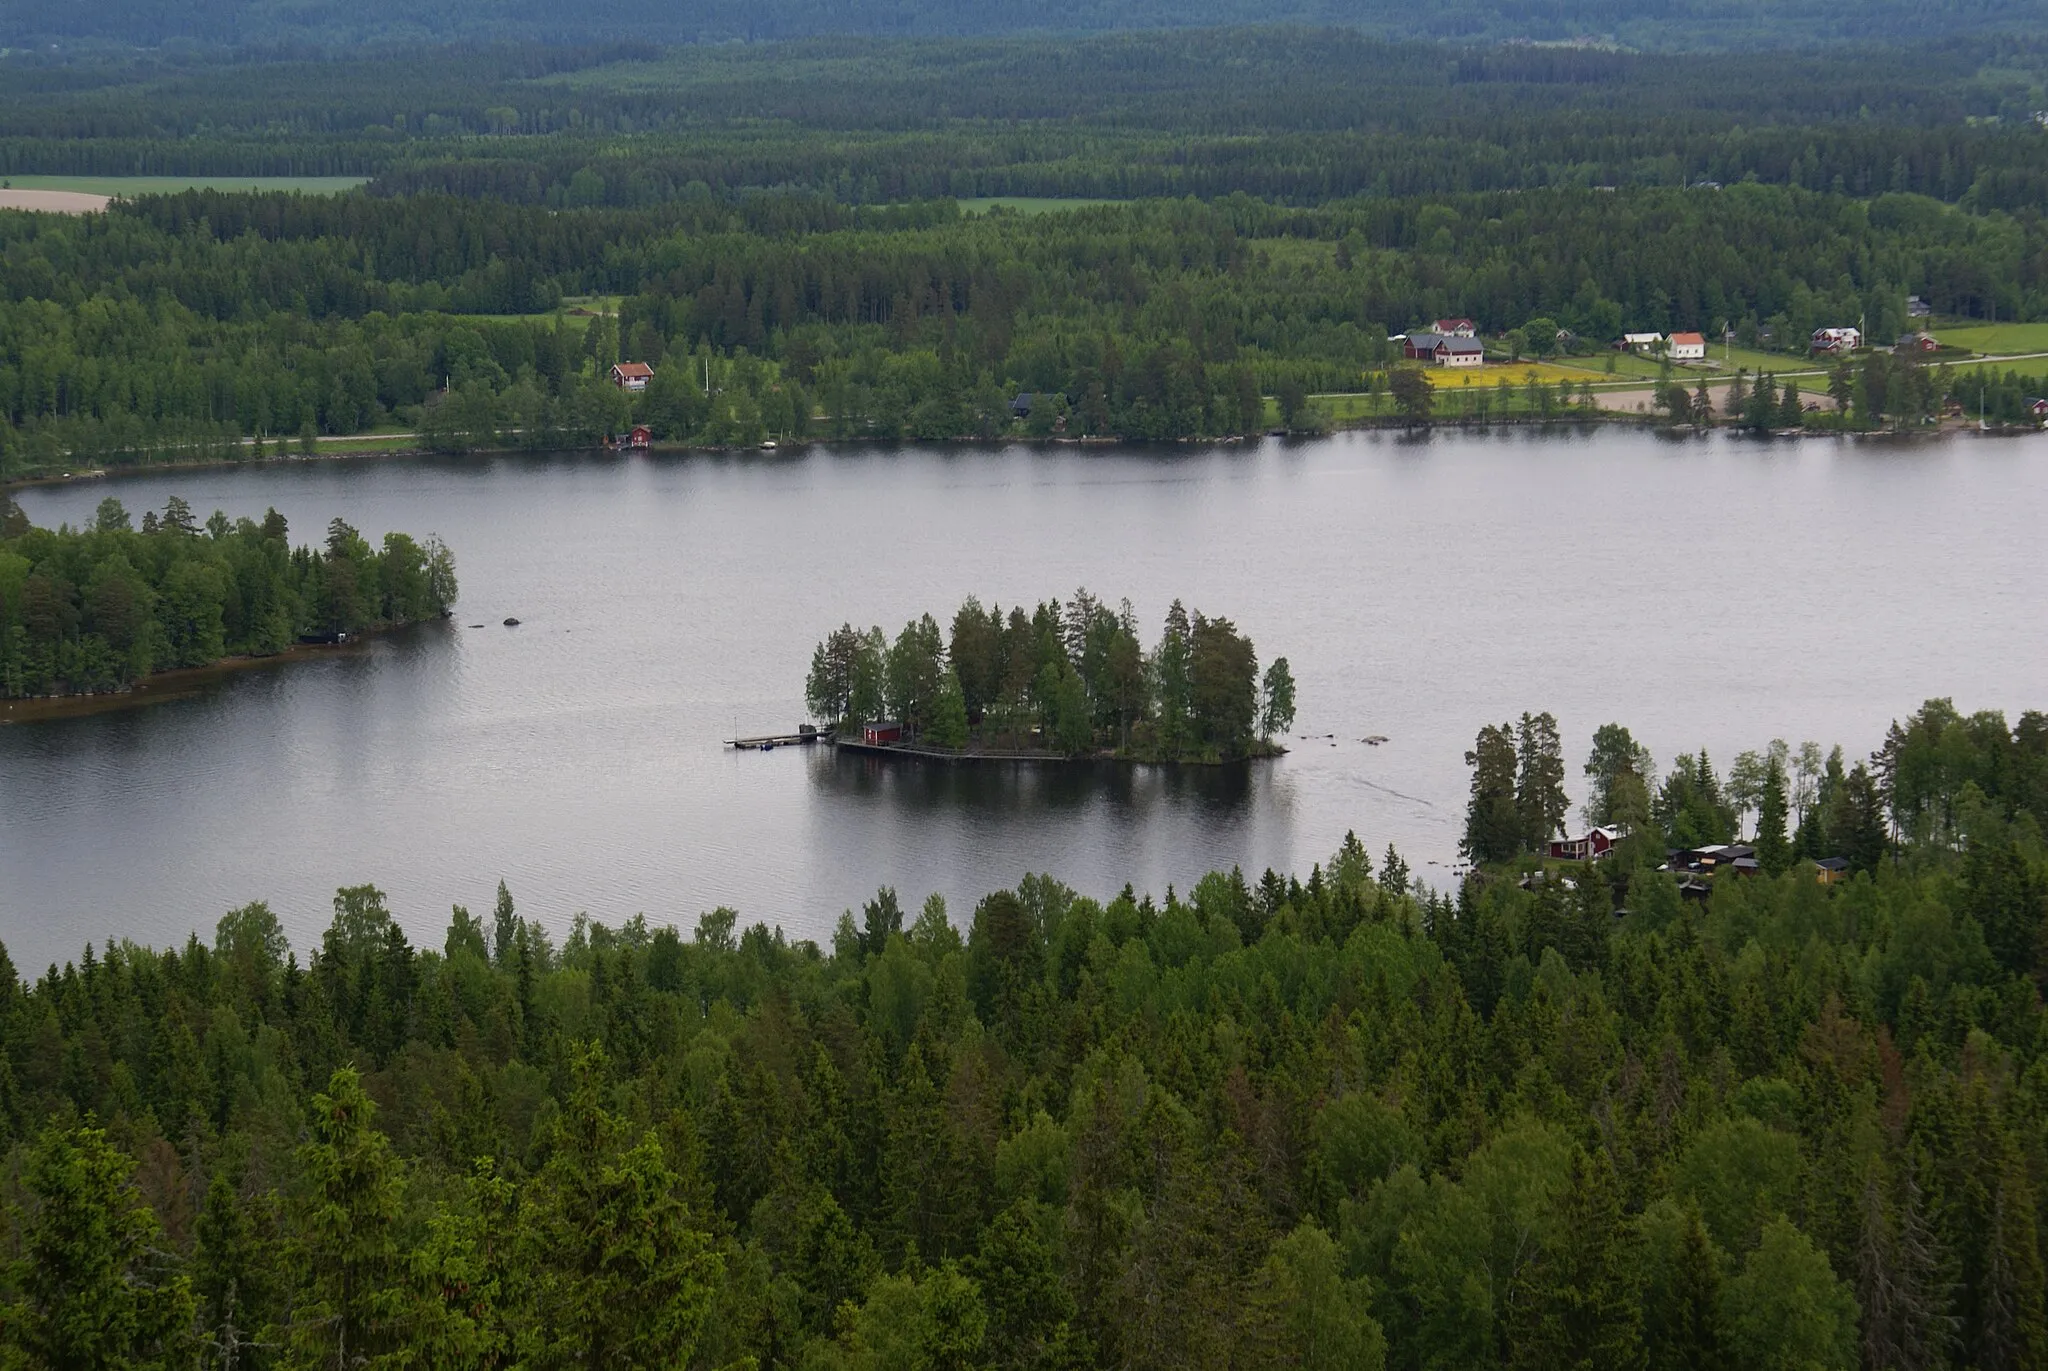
511 623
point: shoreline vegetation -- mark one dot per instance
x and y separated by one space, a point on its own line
89 615
1059 682
1765 1120
366 448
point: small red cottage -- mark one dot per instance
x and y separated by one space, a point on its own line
641 436
876 734
632 376
1595 844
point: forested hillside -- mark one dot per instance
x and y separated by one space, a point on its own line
1269 111
1330 1121
172 327
1673 24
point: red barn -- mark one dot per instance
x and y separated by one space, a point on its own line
876 734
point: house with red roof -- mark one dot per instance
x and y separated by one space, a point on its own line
632 375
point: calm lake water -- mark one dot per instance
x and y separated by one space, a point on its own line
1714 593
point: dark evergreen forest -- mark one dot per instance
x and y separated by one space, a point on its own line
99 608
1323 1121
1670 24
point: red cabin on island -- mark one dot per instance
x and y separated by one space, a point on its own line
874 735
1595 844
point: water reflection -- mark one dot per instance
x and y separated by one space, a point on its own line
999 789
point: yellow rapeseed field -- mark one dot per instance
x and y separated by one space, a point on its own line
1514 373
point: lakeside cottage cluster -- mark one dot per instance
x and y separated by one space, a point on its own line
1692 865
1456 343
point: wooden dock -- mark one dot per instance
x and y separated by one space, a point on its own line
767 741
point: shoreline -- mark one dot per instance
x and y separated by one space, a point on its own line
1594 418
179 683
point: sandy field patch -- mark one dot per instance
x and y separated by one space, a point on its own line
53 201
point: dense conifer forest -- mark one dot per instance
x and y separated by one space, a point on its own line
85 610
796 235
1325 1121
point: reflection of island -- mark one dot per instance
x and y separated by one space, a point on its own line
919 785
1064 683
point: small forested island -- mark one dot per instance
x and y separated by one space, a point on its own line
1326 1121
87 610
1066 680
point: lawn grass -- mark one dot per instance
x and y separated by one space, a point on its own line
122 186
1997 338
1720 362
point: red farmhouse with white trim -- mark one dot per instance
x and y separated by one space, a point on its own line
1596 843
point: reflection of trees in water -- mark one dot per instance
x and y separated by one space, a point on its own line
1008 788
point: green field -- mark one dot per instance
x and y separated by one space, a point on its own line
1997 338
1720 362
121 186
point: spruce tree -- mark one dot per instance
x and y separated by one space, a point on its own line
1539 780
2012 1334
1582 1309
622 1273
354 1305
94 1287
1682 1317
234 1274
1773 847
504 927
1493 825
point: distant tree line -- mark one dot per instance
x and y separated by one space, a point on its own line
1069 678
99 608
179 326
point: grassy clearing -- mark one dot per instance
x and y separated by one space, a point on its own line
1720 362
1997 338
1029 204
578 322
124 186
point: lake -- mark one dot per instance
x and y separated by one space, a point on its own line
1707 592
